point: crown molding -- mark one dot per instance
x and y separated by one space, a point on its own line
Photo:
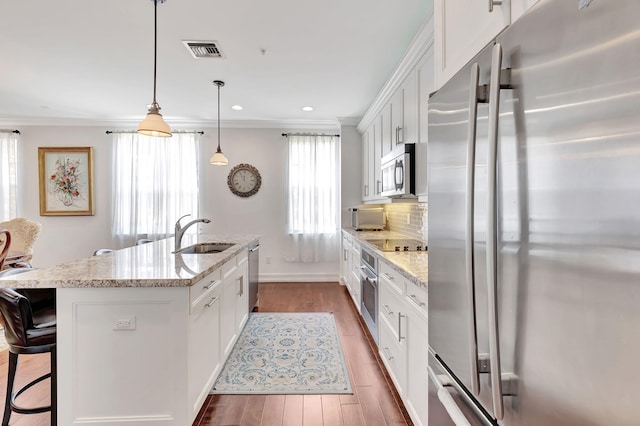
422 41
175 124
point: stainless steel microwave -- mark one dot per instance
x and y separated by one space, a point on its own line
398 172
367 218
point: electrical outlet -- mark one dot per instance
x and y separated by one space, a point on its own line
267 260
125 323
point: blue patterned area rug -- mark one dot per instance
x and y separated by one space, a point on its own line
286 353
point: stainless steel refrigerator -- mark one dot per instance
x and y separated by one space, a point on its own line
534 224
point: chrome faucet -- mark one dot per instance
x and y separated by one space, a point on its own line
180 230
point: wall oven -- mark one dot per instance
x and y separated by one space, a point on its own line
369 288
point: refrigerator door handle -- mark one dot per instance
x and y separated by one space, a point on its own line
499 80
447 401
477 94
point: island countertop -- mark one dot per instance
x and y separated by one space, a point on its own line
146 265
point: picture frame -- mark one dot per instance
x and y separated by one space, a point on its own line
66 181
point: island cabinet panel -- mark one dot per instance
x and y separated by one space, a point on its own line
204 341
242 295
122 356
229 308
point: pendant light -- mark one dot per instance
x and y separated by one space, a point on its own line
218 158
154 124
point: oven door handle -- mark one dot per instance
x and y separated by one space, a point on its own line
364 276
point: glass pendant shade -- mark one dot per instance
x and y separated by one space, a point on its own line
218 159
154 124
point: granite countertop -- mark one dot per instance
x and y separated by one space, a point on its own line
145 265
412 265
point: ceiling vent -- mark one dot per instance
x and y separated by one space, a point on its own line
203 49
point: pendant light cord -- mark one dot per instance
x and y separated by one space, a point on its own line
218 118
155 47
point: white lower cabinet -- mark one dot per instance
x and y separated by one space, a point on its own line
393 340
345 270
417 355
354 276
403 344
204 339
242 295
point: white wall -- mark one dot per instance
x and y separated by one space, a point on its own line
66 238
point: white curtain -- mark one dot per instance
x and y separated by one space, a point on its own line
313 199
8 175
155 181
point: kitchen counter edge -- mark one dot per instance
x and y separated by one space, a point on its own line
145 265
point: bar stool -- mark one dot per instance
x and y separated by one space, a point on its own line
30 328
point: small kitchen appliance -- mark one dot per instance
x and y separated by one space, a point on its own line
367 218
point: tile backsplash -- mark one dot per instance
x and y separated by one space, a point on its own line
408 219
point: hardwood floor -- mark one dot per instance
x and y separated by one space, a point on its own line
373 403
29 368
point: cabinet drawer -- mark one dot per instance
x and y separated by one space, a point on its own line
203 287
208 298
391 309
394 356
417 297
392 277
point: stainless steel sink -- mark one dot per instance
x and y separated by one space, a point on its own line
205 248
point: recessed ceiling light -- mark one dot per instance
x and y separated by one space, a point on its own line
307 108
237 107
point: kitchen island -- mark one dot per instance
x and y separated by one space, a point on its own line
142 332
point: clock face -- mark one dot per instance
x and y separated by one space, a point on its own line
244 180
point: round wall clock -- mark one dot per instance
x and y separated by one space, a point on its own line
244 180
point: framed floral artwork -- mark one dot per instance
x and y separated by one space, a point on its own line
66 181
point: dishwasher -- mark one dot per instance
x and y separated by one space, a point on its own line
254 258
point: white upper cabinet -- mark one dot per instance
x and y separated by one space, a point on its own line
397 118
366 163
371 154
426 86
409 124
386 129
462 29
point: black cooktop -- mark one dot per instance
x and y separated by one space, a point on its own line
396 244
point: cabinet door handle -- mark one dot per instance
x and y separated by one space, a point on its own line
241 282
211 302
400 336
366 190
387 276
346 254
378 190
386 353
398 139
387 310
494 3
211 284
415 299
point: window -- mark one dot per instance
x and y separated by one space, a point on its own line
312 207
155 183
8 174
